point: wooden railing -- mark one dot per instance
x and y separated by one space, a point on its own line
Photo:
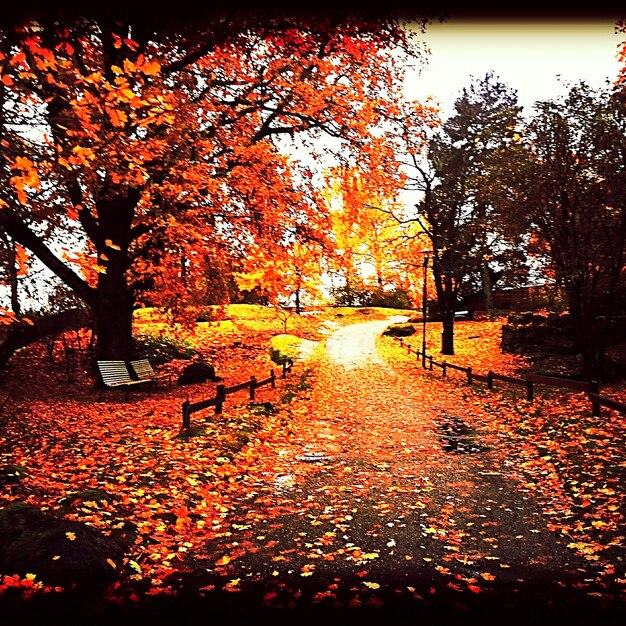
221 392
529 381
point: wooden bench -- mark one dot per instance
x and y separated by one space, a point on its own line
115 375
144 371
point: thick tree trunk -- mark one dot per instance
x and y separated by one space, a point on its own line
113 307
113 315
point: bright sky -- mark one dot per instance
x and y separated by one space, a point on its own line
528 55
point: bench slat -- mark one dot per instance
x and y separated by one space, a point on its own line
145 372
115 374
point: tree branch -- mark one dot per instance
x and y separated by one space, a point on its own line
19 230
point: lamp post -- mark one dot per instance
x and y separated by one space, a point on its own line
424 306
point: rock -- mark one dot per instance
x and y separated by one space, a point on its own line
399 330
58 551
199 372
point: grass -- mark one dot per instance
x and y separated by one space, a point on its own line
251 319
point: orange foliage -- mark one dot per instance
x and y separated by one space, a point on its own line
198 503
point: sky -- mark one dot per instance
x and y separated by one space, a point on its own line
536 57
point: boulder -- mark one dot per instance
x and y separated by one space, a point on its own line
199 372
58 551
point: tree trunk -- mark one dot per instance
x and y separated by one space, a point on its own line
113 315
588 337
446 297
298 306
487 287
349 292
447 336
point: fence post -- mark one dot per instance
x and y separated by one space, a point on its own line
252 386
489 379
408 348
273 377
443 369
220 396
596 409
401 342
186 414
530 392
469 375
430 362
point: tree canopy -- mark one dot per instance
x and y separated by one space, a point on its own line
157 147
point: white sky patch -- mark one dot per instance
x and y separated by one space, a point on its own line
536 58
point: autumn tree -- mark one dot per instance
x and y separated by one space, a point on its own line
453 208
147 142
292 269
364 235
571 184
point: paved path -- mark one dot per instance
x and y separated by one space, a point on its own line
387 526
355 345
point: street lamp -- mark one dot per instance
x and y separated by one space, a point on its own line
424 306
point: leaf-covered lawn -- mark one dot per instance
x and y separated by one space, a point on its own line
240 507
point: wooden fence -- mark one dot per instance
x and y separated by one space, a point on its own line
221 392
529 381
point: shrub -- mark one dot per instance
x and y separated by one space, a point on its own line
371 297
161 349
284 348
399 330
